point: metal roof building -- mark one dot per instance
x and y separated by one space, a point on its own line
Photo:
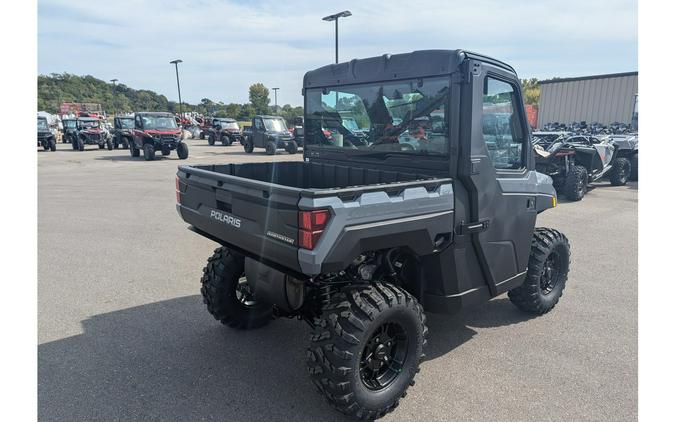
600 98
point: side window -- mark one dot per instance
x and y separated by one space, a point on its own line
502 131
138 122
258 124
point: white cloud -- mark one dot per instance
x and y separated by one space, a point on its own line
227 45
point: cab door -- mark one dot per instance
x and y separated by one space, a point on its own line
258 132
496 167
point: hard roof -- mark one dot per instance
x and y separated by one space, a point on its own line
156 113
421 63
584 78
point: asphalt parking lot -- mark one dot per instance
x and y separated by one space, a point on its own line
123 334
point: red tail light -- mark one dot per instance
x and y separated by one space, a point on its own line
311 225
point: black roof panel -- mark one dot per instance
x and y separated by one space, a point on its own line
418 64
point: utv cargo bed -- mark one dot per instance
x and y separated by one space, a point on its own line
254 207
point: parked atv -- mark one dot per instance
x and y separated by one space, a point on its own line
360 240
224 130
627 145
122 133
45 136
156 132
271 133
577 160
90 131
69 131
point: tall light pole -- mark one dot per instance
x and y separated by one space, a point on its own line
114 81
275 99
335 18
180 101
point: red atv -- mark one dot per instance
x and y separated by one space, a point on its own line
156 132
89 132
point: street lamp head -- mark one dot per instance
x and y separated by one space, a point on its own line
342 14
275 88
176 61
113 80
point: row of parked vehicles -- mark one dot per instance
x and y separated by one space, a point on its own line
148 133
574 161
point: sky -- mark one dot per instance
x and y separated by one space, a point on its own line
227 45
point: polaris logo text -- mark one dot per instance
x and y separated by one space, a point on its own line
226 218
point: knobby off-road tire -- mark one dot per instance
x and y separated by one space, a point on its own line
135 152
182 150
634 167
620 172
224 292
248 147
360 320
576 183
546 273
80 145
212 141
52 145
148 152
225 140
292 147
110 145
271 148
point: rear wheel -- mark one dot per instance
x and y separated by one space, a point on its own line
148 152
227 295
202 135
366 349
576 183
620 172
182 150
271 148
546 273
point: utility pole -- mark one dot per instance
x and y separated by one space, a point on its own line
335 18
276 108
114 82
180 101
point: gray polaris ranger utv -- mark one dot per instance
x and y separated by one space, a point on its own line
432 208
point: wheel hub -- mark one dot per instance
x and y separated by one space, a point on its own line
383 356
550 273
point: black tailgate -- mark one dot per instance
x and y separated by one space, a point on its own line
258 218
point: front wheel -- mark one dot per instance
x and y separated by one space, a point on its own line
576 183
634 167
80 145
148 152
620 172
135 152
182 150
211 140
271 148
248 147
292 147
110 145
227 294
52 145
366 349
547 272
225 141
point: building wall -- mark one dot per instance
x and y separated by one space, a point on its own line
604 98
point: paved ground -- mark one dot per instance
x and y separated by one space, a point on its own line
124 336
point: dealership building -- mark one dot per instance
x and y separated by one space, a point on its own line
601 98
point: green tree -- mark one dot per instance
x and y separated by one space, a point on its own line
259 97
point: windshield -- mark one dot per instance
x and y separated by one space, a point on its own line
126 123
275 125
400 116
70 124
159 122
230 125
88 124
42 124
